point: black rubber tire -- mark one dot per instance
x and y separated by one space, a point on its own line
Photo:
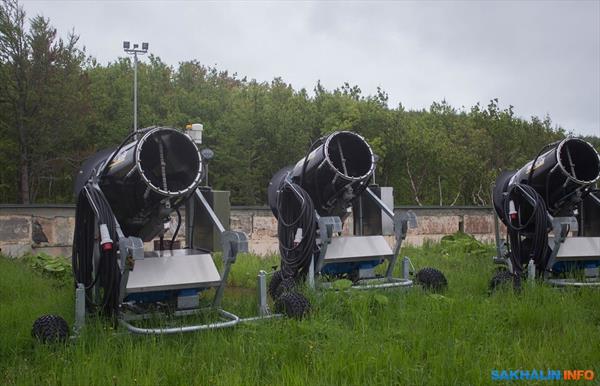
276 279
50 329
293 305
286 285
501 279
431 279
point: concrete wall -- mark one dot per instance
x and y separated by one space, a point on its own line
23 228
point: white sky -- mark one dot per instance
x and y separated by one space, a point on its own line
543 57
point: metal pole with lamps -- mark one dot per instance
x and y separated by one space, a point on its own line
135 51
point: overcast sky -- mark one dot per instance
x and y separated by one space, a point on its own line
543 57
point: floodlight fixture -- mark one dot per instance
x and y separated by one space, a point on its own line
135 50
207 154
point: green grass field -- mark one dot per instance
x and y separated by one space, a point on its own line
359 338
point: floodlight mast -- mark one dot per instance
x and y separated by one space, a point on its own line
135 51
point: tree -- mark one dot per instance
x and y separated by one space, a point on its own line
14 54
58 107
44 104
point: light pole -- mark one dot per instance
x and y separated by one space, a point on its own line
135 51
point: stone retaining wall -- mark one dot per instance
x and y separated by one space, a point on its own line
25 229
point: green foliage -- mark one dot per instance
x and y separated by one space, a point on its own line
342 284
54 266
43 109
71 106
246 267
404 337
381 299
463 243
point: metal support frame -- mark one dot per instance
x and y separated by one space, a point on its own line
501 250
263 306
79 308
230 321
131 249
232 243
561 226
328 226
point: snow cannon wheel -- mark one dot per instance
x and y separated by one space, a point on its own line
276 279
286 285
431 279
293 305
502 279
50 329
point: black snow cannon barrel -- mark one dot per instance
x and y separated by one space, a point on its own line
145 180
336 170
561 174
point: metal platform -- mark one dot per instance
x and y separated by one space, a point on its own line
356 248
173 270
577 248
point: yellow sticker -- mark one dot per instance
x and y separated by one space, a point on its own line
118 159
539 162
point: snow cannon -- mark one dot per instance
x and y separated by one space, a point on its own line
550 210
130 195
331 187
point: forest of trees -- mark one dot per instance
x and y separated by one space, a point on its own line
58 106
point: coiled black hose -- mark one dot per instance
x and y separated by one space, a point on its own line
92 211
295 211
176 229
534 229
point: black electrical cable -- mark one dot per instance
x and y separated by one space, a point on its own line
82 248
176 229
93 211
295 211
110 277
547 184
542 150
123 143
114 154
535 228
312 146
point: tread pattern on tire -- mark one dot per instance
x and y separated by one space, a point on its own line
276 279
286 285
502 279
50 328
431 279
293 304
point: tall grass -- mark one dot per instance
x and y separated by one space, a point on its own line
406 337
